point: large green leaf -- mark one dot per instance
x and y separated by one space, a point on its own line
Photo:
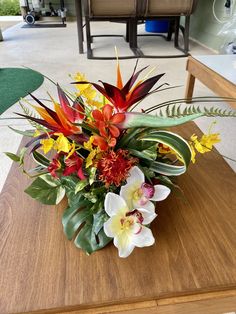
141 120
177 144
84 222
47 190
89 241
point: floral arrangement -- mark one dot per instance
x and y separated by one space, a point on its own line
112 162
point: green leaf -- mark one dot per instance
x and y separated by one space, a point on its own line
141 120
12 156
166 169
88 241
41 159
28 133
177 144
81 185
139 154
92 174
98 220
47 190
74 223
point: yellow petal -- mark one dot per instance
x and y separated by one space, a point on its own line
47 145
62 144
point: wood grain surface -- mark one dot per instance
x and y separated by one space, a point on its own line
195 249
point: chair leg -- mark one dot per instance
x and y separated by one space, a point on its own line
88 38
177 22
170 30
127 31
186 34
78 8
133 25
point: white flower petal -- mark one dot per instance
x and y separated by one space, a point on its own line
148 213
115 204
161 192
127 191
112 226
135 176
144 238
124 244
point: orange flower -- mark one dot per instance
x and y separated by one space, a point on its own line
105 121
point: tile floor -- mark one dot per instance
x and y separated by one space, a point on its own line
54 52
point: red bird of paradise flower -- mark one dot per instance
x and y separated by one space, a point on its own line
63 118
124 96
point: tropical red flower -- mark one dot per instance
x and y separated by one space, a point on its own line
103 143
124 96
105 121
54 166
114 166
73 165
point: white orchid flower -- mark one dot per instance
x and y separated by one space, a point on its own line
137 193
126 226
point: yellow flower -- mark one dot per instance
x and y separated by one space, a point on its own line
164 149
93 152
193 153
209 140
72 150
89 92
47 145
206 142
89 159
89 144
62 144
81 77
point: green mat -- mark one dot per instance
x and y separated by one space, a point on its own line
16 83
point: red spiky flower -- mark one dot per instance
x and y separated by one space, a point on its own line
114 166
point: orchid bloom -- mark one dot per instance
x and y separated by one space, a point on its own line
137 193
126 226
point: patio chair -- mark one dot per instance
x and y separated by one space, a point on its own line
114 11
172 10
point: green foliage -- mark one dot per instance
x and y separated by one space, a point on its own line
83 221
174 111
47 190
148 156
9 7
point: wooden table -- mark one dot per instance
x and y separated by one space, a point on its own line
190 269
217 72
